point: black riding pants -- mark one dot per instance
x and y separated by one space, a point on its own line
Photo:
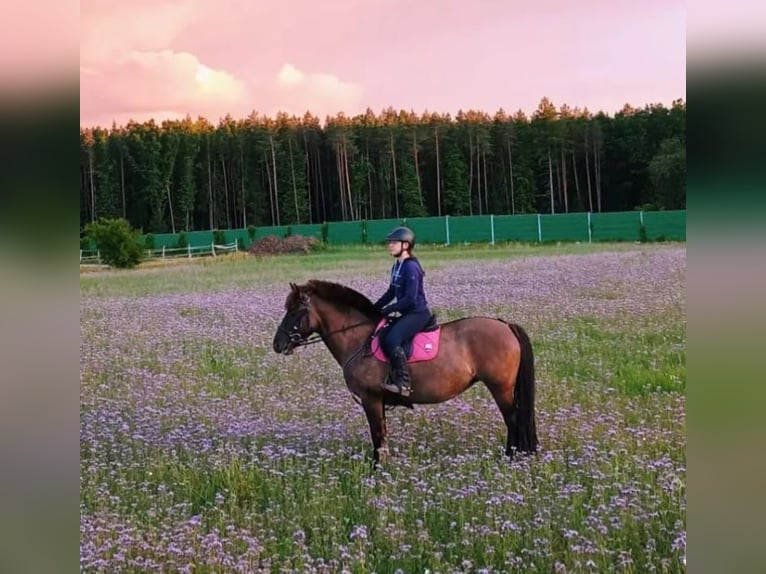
405 327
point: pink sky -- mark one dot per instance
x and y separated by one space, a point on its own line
162 59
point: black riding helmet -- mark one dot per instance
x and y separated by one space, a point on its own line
402 234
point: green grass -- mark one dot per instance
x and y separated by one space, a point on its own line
637 356
217 447
242 271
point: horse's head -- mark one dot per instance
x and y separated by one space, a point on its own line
320 305
299 321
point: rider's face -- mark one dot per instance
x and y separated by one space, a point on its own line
395 248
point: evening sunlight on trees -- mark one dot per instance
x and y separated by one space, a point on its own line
192 175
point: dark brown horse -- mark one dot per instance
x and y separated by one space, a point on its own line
471 349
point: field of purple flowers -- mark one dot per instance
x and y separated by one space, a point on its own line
203 451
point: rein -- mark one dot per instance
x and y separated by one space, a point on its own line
317 338
297 339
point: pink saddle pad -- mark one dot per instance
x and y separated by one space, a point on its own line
425 346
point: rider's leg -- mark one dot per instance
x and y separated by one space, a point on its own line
405 328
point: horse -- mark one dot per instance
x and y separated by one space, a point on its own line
470 349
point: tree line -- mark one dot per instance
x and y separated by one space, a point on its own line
191 175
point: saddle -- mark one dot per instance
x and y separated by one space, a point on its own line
424 346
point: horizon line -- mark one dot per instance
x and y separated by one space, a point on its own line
339 113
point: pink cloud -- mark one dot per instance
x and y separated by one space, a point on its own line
131 69
169 58
323 94
149 82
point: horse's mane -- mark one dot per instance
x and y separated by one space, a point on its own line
336 294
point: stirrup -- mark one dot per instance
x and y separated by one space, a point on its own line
391 387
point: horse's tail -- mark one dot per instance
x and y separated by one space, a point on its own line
524 393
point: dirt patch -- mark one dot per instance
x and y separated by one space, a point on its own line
273 245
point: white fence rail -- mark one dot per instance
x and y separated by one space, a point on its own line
212 250
189 251
90 257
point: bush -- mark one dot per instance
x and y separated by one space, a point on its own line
219 237
251 232
149 241
642 235
85 243
182 242
119 244
325 233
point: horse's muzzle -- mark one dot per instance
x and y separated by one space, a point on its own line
283 347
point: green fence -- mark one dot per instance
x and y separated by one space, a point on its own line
531 228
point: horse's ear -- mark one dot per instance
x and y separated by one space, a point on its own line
293 286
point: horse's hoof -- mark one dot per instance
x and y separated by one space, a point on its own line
380 455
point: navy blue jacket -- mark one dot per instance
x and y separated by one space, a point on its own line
407 286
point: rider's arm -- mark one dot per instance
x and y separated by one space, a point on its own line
411 278
387 297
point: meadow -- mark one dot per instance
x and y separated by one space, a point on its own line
201 450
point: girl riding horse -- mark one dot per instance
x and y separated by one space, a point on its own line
406 286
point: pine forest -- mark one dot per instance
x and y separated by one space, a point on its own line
193 175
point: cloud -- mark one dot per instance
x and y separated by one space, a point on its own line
110 28
290 75
164 59
320 93
165 84
157 84
129 68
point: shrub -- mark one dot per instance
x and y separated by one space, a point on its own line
325 233
219 237
642 235
148 241
119 244
182 242
85 243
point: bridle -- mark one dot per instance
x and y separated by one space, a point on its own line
298 340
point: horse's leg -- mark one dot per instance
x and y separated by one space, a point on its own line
376 417
502 392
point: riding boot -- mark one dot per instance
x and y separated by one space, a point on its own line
400 383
